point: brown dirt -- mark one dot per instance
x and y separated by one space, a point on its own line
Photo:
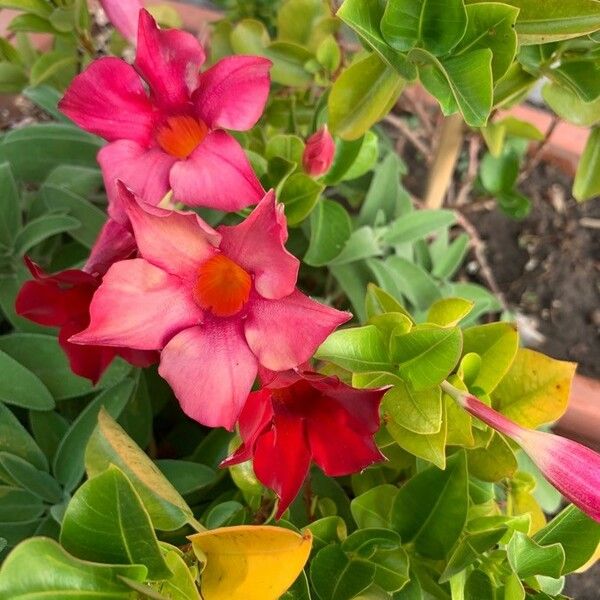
548 266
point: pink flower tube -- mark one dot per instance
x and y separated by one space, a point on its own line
318 153
123 14
570 467
216 304
165 121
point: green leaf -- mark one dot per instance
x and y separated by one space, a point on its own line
379 302
433 521
181 586
364 18
357 349
186 476
494 462
36 7
329 54
479 585
470 549
383 192
418 225
535 390
373 508
48 429
42 228
12 78
290 147
491 25
555 20
415 283
14 438
352 158
446 264
427 354
21 387
35 151
568 106
326 531
89 218
363 243
43 356
19 505
408 23
430 447
111 445
576 533
417 411
109 506
299 194
10 207
52 64
497 345
289 62
449 311
462 82
68 465
529 558
297 19
587 178
361 96
40 568
330 228
31 479
46 97
31 23
335 576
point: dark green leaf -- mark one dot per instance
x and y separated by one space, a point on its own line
31 479
329 231
42 228
10 207
21 387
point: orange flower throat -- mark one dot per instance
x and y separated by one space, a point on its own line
222 286
179 136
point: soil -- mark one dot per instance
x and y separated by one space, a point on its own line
548 266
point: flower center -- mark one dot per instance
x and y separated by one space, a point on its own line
179 136
222 286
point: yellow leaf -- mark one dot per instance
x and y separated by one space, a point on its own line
250 562
535 390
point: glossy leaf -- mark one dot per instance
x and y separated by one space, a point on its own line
40 568
106 522
329 231
433 521
529 558
361 96
449 311
109 444
374 507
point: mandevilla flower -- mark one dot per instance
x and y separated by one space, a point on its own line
570 467
62 300
123 14
302 417
318 153
215 303
171 136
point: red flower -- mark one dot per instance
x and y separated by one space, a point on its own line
318 153
62 300
299 417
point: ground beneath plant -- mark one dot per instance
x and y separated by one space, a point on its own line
548 266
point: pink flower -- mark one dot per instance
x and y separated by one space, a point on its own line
62 300
571 468
123 14
302 417
318 153
215 303
171 136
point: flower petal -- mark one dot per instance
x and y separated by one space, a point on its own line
318 153
217 175
108 99
143 171
169 60
257 245
285 333
123 14
254 418
177 242
282 458
570 467
139 306
232 94
352 449
211 370
114 242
